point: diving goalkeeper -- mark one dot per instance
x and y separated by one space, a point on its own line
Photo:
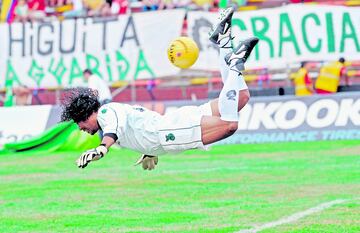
188 127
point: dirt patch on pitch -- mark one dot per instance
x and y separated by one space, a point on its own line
349 151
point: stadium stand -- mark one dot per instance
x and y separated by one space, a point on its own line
51 9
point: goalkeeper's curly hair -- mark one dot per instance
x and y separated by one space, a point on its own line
79 104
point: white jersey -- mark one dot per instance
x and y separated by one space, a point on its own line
150 133
134 126
98 84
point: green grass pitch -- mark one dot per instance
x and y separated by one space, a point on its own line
227 189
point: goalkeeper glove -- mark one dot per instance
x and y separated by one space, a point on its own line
148 162
91 155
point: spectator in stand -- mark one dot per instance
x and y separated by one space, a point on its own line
204 4
94 7
58 7
150 5
23 95
51 3
21 11
302 81
184 4
36 10
50 7
100 87
98 84
76 11
106 9
166 4
329 77
119 7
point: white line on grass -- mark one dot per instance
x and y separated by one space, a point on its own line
294 217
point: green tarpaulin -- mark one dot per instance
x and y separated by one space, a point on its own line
65 136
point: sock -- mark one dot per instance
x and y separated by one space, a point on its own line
224 68
229 97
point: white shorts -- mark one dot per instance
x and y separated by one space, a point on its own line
180 129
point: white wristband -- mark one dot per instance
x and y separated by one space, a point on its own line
101 150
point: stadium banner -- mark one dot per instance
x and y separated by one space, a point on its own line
286 119
262 120
54 54
23 122
291 118
287 34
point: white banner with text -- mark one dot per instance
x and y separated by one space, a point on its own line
262 120
55 53
287 34
296 119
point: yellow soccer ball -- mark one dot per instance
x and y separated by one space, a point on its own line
183 52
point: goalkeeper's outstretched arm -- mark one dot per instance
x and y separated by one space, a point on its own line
108 141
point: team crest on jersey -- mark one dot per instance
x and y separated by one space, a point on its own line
104 110
170 137
140 109
231 95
